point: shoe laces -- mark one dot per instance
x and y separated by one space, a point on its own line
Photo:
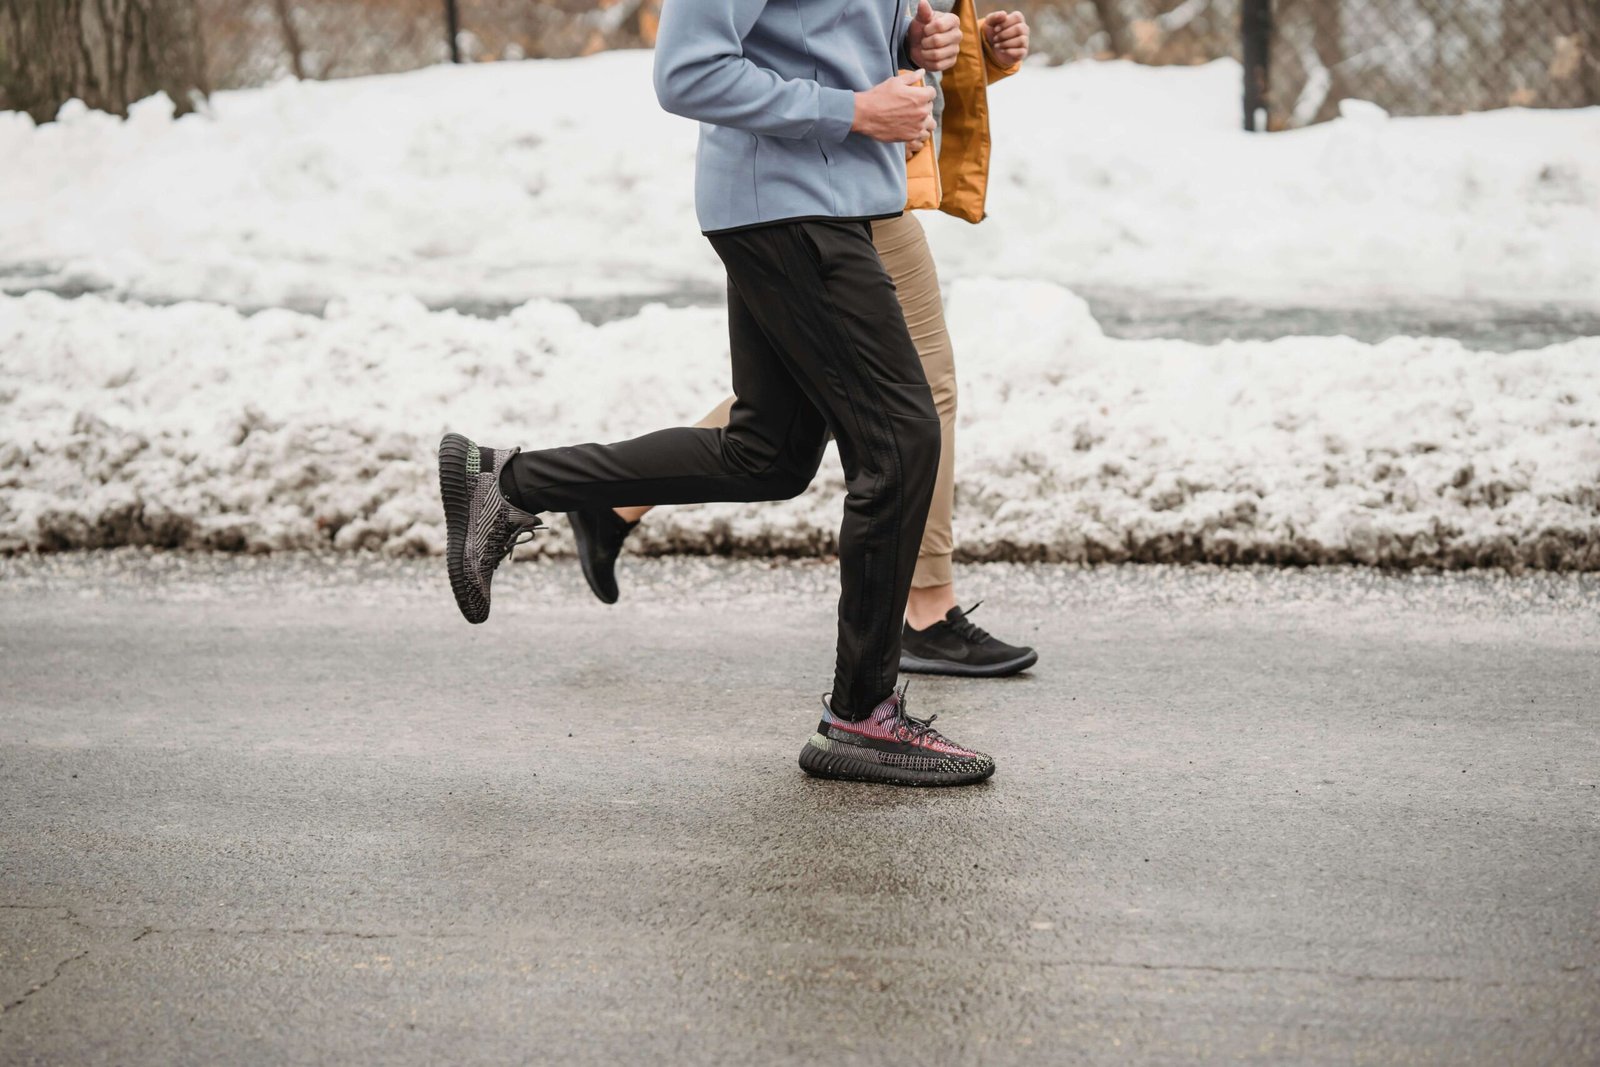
908 729
515 538
964 626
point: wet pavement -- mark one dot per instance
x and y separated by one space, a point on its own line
279 810
1484 325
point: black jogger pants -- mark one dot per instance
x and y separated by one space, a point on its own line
819 344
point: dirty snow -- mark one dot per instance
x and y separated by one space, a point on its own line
197 425
194 425
502 182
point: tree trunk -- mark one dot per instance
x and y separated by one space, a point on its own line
291 38
107 53
1116 27
1586 30
1328 40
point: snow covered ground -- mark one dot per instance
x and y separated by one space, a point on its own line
502 182
194 425
199 425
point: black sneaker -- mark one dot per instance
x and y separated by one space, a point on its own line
891 748
482 527
955 646
600 535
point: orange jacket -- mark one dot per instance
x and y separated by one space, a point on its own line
958 181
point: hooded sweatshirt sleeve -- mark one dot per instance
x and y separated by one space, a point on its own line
701 73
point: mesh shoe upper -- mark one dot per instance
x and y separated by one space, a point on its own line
955 639
892 738
493 523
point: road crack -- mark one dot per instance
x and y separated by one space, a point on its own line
144 930
1313 972
38 986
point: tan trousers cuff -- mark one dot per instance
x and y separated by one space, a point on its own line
933 570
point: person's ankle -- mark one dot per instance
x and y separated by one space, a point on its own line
630 515
929 605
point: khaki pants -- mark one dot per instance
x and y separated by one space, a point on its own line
904 250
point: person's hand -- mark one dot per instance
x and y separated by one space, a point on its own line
913 147
899 109
935 38
1007 34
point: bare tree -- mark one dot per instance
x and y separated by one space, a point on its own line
291 38
1583 21
107 53
1116 27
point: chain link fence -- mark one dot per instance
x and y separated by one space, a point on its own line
1411 57
251 42
1158 32
1431 57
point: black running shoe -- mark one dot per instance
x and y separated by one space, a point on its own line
891 748
482 527
600 535
955 646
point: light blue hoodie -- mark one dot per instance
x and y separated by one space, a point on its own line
773 84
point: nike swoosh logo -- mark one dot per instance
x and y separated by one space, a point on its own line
958 655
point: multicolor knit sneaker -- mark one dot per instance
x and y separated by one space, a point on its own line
482 527
890 747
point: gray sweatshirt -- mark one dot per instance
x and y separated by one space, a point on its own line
773 84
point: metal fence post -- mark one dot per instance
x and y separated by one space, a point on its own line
1255 30
452 26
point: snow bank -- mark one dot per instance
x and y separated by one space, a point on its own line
501 182
196 426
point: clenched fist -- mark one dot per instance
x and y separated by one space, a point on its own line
935 38
895 110
1007 34
921 142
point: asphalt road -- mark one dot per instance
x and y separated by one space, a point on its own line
297 811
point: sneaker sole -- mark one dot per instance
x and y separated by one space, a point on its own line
917 665
455 489
826 760
580 534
